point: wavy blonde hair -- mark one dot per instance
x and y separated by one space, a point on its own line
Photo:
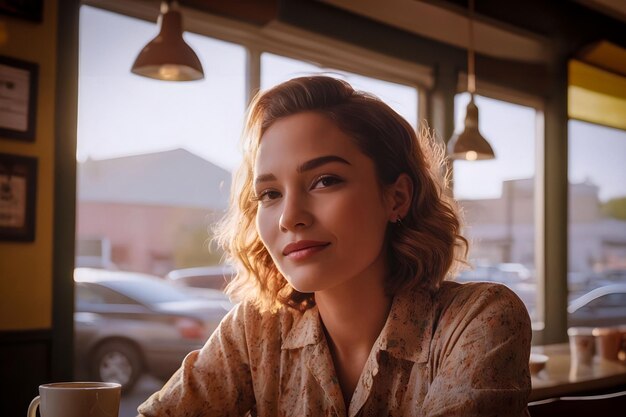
421 251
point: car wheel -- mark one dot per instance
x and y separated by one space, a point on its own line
117 361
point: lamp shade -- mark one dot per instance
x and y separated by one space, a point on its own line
168 57
470 145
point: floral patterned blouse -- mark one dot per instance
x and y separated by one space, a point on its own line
460 351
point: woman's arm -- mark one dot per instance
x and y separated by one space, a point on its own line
213 381
480 358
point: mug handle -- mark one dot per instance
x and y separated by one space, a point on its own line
32 408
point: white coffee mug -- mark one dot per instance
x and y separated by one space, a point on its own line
77 399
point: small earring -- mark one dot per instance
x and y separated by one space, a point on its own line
399 221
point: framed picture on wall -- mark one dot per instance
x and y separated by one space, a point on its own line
18 99
18 190
24 9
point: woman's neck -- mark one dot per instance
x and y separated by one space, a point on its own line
354 315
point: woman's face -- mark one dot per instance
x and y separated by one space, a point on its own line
322 214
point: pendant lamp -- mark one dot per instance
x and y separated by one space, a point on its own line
168 57
470 144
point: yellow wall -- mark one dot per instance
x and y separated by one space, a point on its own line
26 268
596 96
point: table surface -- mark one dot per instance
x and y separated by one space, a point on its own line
562 378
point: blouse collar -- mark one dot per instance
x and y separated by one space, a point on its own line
406 335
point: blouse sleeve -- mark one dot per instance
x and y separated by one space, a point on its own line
480 361
213 381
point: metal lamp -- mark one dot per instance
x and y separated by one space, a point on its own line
470 144
167 56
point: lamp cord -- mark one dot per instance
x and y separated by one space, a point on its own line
167 5
471 77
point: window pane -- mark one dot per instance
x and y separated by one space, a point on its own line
121 113
403 99
597 221
154 169
497 197
154 156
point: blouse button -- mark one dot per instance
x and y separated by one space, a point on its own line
375 371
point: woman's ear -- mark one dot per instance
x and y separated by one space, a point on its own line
400 195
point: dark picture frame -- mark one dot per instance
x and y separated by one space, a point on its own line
24 9
18 99
18 192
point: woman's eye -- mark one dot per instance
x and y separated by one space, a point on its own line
267 195
326 181
270 195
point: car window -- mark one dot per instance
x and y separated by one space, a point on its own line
96 294
616 300
217 282
148 291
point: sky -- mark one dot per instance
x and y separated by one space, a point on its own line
124 114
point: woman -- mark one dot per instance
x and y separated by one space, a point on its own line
343 235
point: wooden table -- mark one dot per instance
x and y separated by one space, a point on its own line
562 378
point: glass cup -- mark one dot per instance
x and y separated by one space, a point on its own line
621 355
608 342
581 344
77 399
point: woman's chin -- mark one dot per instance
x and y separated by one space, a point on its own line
305 284
305 287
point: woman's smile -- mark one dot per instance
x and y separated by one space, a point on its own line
304 249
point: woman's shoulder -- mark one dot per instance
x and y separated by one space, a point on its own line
470 299
453 291
478 314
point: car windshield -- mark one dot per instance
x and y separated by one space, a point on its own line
148 291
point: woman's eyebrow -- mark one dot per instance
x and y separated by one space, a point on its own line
307 166
322 160
264 178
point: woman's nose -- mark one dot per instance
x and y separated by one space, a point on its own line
295 215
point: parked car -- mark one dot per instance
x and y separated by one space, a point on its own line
128 324
506 273
603 306
214 277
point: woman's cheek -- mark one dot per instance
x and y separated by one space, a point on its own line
265 226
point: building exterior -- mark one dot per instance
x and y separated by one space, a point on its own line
149 213
502 230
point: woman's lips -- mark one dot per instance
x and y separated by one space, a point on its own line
303 249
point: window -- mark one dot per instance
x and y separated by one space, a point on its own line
610 301
122 114
605 310
87 294
155 158
154 169
597 215
497 197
